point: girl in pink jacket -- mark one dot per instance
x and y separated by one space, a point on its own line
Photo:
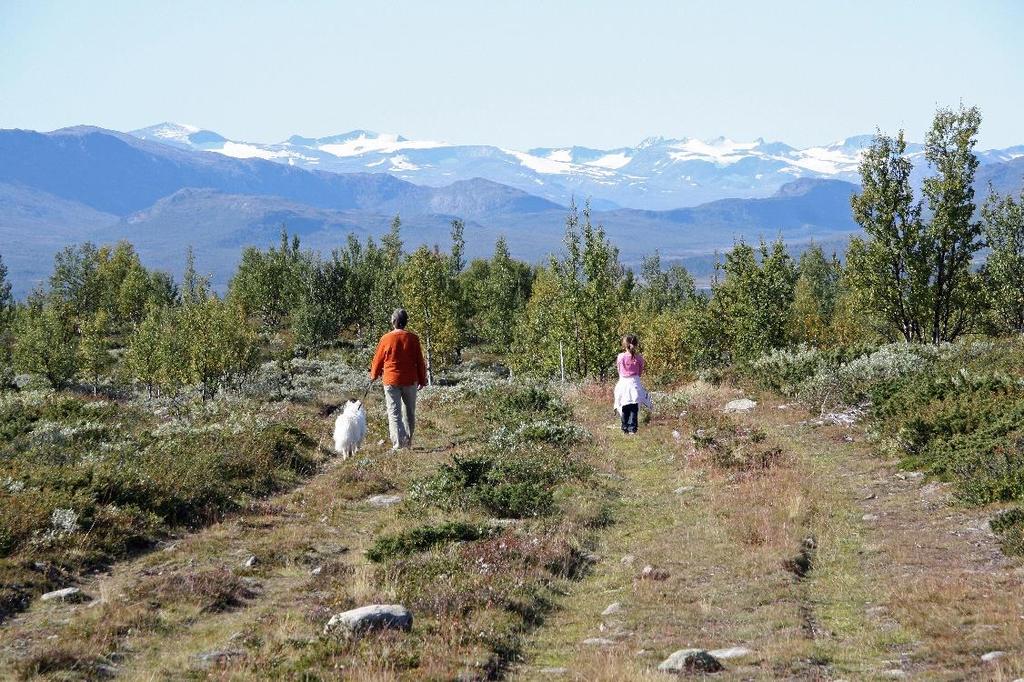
629 391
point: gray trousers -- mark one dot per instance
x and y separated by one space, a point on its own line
399 430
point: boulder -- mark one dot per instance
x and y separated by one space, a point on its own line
372 617
690 660
740 405
992 656
731 652
68 594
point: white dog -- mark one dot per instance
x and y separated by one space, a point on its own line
350 428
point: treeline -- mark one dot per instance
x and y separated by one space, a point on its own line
911 277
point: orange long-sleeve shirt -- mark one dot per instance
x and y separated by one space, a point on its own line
400 359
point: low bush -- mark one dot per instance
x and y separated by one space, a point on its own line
1009 528
423 538
504 484
83 482
514 404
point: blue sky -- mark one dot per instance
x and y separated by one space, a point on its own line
517 74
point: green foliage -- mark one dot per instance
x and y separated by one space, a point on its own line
510 405
382 273
94 348
1003 272
323 308
574 307
1009 527
217 345
270 285
432 297
917 273
423 538
87 280
953 233
815 296
210 343
755 299
497 291
46 344
6 323
662 290
892 266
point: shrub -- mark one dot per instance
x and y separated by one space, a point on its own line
1009 527
504 484
546 431
510 405
423 538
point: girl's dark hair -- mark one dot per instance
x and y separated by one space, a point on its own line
630 343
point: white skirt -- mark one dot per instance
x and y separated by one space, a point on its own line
629 390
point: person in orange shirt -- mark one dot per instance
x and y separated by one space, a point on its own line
399 360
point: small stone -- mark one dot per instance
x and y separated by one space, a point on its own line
212 658
893 674
992 656
740 405
250 562
869 517
731 652
676 435
627 559
613 608
68 594
381 501
380 442
317 571
690 660
372 617
683 489
598 641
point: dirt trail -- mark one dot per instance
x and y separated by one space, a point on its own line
899 581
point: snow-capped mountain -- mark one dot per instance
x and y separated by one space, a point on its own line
657 173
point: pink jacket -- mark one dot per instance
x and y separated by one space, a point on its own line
628 365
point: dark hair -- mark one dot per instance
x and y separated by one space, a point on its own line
630 343
399 318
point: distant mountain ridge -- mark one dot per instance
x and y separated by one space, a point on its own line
85 183
657 173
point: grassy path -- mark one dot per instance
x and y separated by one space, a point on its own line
901 584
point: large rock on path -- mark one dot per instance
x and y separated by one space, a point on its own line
690 661
372 617
68 594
